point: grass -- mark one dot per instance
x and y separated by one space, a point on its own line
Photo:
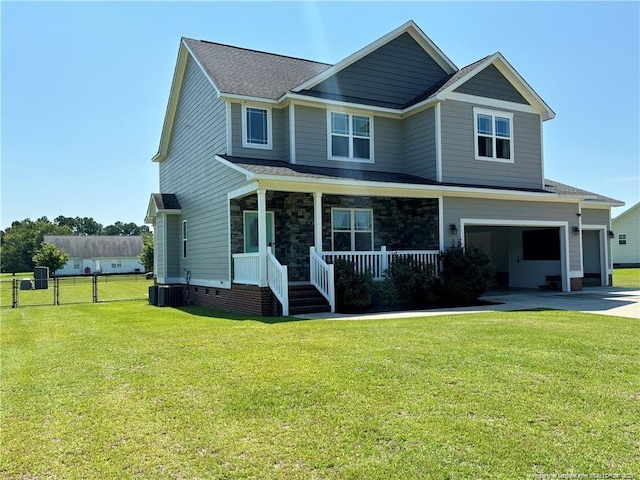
626 277
126 390
76 289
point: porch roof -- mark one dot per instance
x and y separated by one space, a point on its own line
286 169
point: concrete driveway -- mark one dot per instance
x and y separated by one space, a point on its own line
620 302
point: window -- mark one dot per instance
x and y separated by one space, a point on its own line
352 229
350 137
256 127
493 135
622 239
184 239
116 263
76 264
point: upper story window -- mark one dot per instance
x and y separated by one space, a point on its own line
622 239
350 137
256 127
352 229
493 133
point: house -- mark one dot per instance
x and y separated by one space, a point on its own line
626 242
98 253
271 167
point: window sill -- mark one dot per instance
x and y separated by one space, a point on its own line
257 146
352 160
497 160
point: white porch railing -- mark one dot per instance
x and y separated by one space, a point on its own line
378 262
322 277
246 268
278 281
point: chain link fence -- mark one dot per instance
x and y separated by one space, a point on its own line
22 292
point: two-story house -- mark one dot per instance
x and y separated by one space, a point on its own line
271 167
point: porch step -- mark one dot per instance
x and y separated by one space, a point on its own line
306 299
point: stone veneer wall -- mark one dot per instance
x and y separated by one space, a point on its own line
398 223
293 217
247 299
576 284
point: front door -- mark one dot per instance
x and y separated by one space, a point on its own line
251 231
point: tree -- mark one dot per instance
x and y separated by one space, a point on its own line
146 257
50 255
79 225
23 238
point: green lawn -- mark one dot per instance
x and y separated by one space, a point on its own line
126 390
76 289
626 277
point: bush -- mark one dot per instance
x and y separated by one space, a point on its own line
384 295
467 273
415 283
353 289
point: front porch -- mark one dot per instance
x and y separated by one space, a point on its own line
281 238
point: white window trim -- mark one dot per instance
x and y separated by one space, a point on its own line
622 237
184 234
493 113
244 223
353 230
245 143
350 157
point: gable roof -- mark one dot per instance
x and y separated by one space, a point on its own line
409 27
162 203
86 246
251 73
635 208
563 189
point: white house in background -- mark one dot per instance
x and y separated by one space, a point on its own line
99 253
626 243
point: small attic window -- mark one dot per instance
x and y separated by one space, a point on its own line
256 127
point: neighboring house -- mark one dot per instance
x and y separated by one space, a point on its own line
626 242
393 150
99 253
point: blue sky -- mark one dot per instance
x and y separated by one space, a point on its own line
85 85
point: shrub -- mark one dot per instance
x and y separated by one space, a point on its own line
353 289
467 273
384 295
415 283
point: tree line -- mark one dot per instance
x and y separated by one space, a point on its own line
23 240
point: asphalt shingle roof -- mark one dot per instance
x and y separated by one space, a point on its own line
166 201
86 246
286 169
241 71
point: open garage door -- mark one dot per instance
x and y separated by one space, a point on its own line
524 256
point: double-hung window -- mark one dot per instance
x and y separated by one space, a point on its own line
352 229
184 239
256 127
350 137
622 239
116 263
493 132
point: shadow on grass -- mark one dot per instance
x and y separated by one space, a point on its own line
239 317
537 309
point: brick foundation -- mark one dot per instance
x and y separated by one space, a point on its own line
248 299
576 284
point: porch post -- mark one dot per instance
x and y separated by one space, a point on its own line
262 238
317 220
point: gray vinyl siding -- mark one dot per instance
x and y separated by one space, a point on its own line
277 132
456 208
199 181
174 248
286 142
311 142
595 216
491 83
159 246
392 74
419 132
458 150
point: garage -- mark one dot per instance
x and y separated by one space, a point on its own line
525 255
